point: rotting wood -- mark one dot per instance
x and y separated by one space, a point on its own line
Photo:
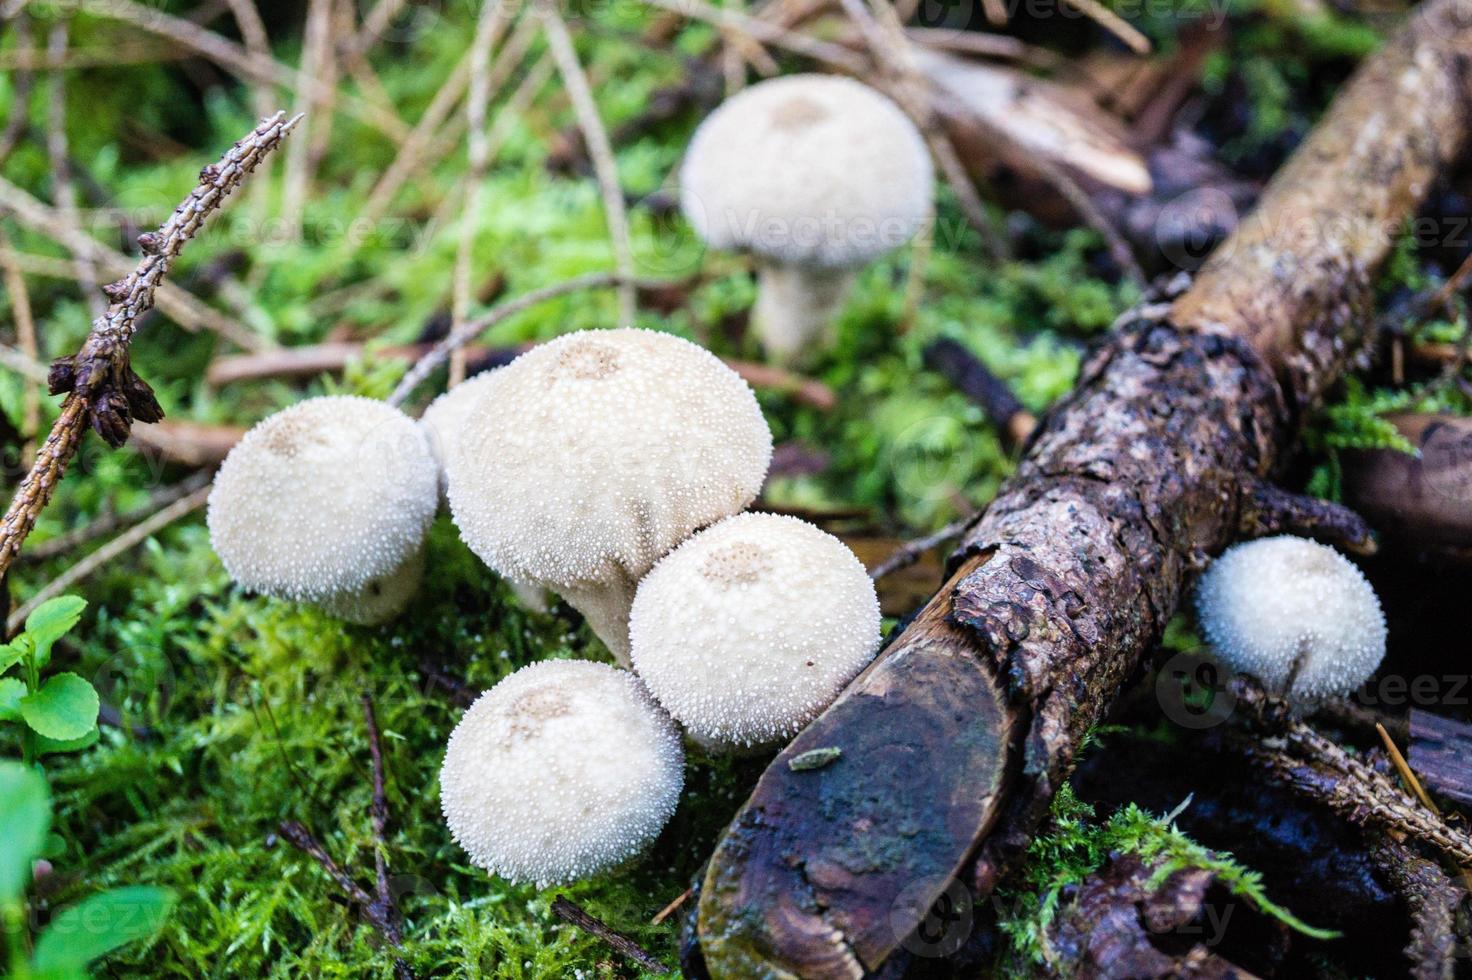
1441 754
956 739
1422 502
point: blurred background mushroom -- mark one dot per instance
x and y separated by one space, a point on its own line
749 629
601 452
562 770
1295 614
328 502
816 176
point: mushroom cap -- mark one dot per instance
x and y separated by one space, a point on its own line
560 771
752 627
381 599
1265 603
446 419
601 451
814 170
322 498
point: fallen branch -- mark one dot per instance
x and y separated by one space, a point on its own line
109 553
384 906
111 521
570 912
605 167
1422 502
297 834
970 720
974 380
102 388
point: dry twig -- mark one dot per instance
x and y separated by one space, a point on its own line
181 306
912 551
25 334
109 552
102 388
64 192
605 167
571 912
110 521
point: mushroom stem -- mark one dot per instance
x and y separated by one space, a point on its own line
606 605
795 304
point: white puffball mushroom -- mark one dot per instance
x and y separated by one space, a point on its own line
815 175
562 770
752 627
444 422
327 502
448 416
1287 608
600 452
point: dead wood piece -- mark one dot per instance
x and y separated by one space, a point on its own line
975 380
1441 754
571 912
1114 925
187 443
1422 502
955 740
1268 509
1432 900
99 381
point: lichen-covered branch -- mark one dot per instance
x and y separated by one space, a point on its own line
956 739
101 388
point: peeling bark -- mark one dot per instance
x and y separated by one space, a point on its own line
955 740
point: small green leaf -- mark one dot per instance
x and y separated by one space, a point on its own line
64 708
12 689
50 621
25 819
12 654
100 924
55 746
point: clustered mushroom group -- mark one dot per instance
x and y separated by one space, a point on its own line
615 468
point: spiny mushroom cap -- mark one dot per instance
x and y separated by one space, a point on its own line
1265 603
380 599
813 170
446 418
752 627
322 498
601 451
560 771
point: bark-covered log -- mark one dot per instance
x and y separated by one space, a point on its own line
955 740
1441 754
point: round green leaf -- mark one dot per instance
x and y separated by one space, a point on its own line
11 691
25 819
98 925
50 621
64 708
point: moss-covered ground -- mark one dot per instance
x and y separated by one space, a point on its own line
240 712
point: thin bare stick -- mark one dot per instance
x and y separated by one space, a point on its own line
912 551
441 351
672 907
134 52
920 248
25 333
376 24
379 812
181 306
605 167
488 28
109 553
512 109
316 54
248 66
64 192
297 834
834 55
414 154
102 388
571 912
20 92
110 521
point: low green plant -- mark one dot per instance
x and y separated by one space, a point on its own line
57 713
1076 845
78 934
